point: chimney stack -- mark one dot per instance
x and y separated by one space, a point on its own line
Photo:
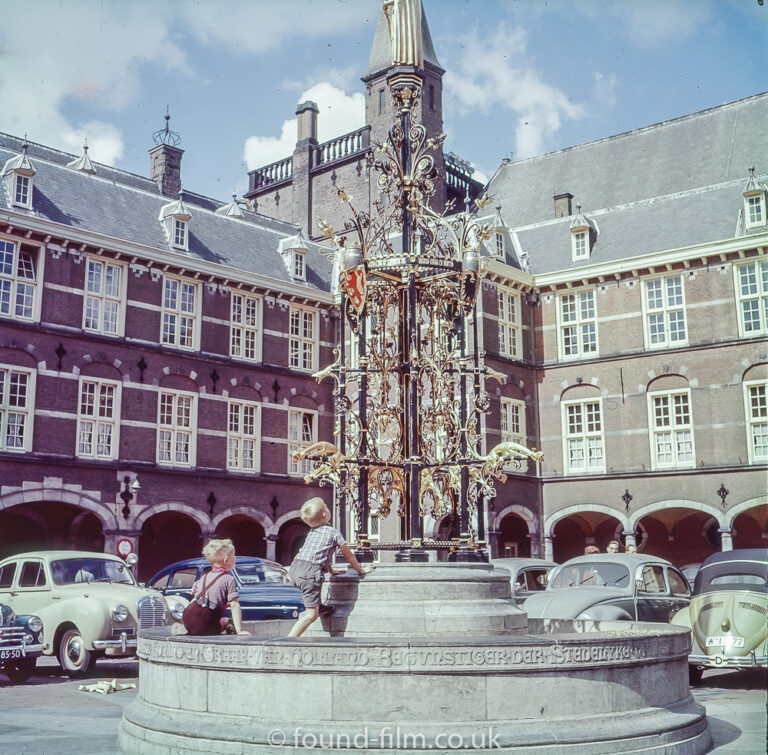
307 123
165 168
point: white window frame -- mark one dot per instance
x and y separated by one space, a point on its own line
99 423
580 333
675 429
15 288
245 326
591 441
180 231
756 423
176 314
22 184
299 266
754 201
297 439
579 245
103 297
509 319
173 431
302 348
670 310
240 436
512 421
27 410
498 244
754 298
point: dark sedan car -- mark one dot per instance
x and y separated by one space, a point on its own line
612 587
265 589
527 576
21 643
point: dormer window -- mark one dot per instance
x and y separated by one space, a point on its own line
754 201
499 228
499 244
583 232
18 173
298 265
175 218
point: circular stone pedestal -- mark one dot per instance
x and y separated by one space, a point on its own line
565 687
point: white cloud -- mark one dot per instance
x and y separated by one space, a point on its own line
339 114
604 92
654 22
494 73
103 139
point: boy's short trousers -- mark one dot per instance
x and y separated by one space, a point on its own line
309 578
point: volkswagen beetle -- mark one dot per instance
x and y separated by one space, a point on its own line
728 611
612 587
21 643
527 576
89 603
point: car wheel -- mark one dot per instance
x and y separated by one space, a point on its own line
694 674
19 671
73 657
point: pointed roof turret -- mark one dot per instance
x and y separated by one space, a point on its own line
231 210
83 163
21 164
382 51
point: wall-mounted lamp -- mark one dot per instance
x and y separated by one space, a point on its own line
129 488
211 501
273 504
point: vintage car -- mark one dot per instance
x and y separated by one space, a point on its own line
612 587
89 603
526 575
727 615
21 642
265 590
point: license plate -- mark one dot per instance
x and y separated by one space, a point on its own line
9 655
729 642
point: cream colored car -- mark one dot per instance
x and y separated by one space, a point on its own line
89 603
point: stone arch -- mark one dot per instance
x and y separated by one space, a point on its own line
597 508
650 508
27 353
268 525
243 382
756 371
86 361
580 391
174 506
51 491
283 518
740 508
525 514
165 372
669 381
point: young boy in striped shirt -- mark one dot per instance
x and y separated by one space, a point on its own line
314 558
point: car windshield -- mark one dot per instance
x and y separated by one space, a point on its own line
733 575
589 574
70 571
253 574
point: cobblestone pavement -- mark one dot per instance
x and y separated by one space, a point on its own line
50 716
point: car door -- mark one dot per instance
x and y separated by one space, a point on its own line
679 592
181 581
32 591
652 598
7 574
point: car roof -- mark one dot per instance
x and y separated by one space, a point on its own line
521 563
55 555
628 559
202 561
759 555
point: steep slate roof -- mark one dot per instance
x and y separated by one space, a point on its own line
125 206
381 50
672 185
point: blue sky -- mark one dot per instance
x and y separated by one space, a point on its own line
523 76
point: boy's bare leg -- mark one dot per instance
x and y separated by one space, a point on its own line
303 622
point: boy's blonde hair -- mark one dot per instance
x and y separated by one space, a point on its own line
218 550
312 511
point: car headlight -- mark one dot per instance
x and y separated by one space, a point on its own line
586 616
177 611
34 624
28 639
120 613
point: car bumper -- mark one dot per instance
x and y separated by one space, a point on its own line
122 643
726 661
26 651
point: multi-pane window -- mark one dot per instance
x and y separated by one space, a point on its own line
578 325
298 265
512 421
243 429
98 419
176 427
579 247
18 281
671 430
301 340
510 336
103 297
21 190
499 243
752 294
16 409
584 442
179 317
245 327
665 311
180 233
755 208
756 400
302 432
